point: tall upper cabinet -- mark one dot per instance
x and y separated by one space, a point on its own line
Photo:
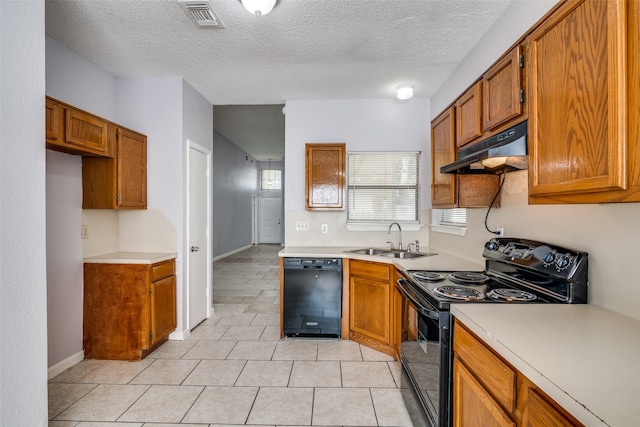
325 172
119 182
584 98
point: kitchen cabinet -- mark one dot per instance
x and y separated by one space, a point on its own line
489 391
450 190
129 309
370 307
469 115
119 182
325 176
74 131
503 92
583 127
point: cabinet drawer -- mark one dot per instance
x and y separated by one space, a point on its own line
369 269
498 378
162 269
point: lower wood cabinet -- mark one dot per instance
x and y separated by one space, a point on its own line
129 309
488 391
370 308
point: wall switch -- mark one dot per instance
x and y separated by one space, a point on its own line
84 231
324 228
302 225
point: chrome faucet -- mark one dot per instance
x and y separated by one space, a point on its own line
399 234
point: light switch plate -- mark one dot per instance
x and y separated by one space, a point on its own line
84 231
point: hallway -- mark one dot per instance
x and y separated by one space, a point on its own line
235 370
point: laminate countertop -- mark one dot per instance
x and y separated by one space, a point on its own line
131 258
438 260
584 357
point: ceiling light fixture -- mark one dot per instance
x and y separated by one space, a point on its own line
259 7
405 91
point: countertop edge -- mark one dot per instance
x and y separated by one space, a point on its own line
131 258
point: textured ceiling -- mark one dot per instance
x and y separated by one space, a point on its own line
303 49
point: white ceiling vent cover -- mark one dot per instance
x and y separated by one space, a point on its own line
202 13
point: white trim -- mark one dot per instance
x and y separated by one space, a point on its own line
448 229
179 335
65 364
219 257
381 226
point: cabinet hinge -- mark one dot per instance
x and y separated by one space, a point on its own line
150 336
117 197
117 135
521 96
150 291
521 59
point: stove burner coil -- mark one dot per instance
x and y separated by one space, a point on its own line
428 276
507 294
468 277
459 292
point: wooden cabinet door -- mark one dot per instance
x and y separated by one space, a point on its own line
163 308
54 123
577 128
325 176
132 169
503 94
443 152
370 305
469 115
472 404
86 131
542 413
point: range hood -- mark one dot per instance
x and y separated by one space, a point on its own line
503 152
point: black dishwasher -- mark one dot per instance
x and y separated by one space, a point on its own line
312 303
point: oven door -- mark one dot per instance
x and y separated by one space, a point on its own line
425 353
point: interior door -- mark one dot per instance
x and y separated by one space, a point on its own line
271 220
199 236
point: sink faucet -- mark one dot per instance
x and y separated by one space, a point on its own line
399 233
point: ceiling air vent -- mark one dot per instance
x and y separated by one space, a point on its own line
202 13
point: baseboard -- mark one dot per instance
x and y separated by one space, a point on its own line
179 335
219 257
65 364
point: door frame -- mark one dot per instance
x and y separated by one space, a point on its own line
191 145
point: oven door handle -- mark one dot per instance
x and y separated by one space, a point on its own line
424 307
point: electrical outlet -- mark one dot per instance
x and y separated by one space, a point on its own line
302 225
84 231
324 228
500 231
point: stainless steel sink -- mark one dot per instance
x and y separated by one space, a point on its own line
369 251
406 255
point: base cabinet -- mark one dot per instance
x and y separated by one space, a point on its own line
129 309
370 305
487 391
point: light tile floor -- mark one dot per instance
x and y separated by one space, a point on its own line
235 370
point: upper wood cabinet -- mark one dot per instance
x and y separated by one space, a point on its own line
325 176
119 182
443 152
583 71
503 91
469 115
74 131
450 190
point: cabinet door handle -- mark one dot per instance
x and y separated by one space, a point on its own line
194 249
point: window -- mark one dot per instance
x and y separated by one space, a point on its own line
383 187
270 179
449 221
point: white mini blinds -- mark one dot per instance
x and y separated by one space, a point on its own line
383 187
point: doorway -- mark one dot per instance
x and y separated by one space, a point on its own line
270 220
198 234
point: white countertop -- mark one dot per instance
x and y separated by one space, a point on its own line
584 357
443 261
131 258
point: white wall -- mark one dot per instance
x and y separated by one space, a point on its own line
608 232
23 301
364 125
72 79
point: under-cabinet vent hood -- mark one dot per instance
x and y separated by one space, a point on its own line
503 152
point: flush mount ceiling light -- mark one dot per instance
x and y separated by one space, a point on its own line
259 7
405 91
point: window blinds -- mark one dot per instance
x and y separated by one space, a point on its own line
383 187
